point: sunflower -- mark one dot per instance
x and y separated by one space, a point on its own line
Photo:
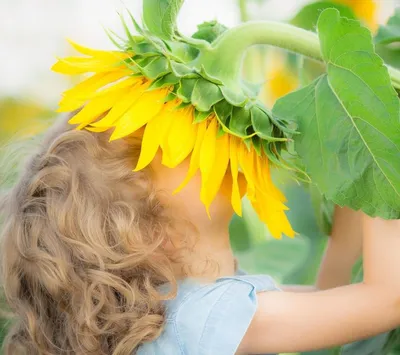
15 115
281 78
129 92
366 10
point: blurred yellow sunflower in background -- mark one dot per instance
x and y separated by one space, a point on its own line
280 78
113 98
15 113
365 10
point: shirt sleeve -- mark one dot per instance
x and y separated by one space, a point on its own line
215 320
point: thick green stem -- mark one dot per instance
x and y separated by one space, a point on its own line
223 60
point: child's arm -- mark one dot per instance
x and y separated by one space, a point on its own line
343 250
291 322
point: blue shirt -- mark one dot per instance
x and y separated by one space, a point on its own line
209 319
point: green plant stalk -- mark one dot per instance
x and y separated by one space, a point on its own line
223 59
244 16
252 69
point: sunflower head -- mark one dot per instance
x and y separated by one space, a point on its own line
157 86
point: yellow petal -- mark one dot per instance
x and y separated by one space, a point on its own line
97 53
145 108
122 106
195 157
275 219
97 81
245 163
123 84
169 117
226 186
265 180
79 65
78 95
126 83
270 208
111 60
150 142
284 225
96 129
73 67
263 194
213 183
96 107
207 153
236 198
181 136
242 184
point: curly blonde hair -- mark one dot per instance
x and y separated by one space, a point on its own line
82 250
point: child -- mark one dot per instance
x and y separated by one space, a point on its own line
97 259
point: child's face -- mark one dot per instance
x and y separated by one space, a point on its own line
187 202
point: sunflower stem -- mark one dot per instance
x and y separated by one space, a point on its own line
224 58
244 15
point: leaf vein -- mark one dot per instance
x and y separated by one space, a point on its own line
363 140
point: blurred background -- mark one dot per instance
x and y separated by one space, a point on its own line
33 33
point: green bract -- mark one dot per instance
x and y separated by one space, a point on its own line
170 60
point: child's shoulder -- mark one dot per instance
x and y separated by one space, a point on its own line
212 318
212 295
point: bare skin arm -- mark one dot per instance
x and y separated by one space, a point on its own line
343 249
290 322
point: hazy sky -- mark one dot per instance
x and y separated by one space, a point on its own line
32 33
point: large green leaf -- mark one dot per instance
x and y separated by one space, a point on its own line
349 122
307 17
160 17
323 209
391 31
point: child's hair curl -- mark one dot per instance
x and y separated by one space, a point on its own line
82 249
